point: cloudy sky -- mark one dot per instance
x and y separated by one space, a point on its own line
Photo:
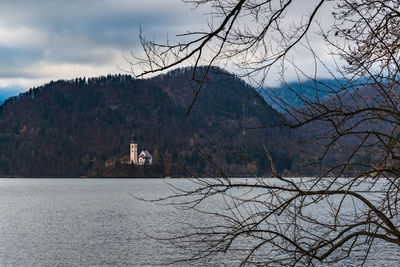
45 40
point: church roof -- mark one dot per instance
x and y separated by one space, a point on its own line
145 154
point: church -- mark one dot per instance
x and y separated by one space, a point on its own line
144 157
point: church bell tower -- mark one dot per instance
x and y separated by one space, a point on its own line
133 149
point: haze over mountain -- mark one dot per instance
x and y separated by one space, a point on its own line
7 93
288 94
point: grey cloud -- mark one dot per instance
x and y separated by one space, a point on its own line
17 58
86 33
91 16
99 21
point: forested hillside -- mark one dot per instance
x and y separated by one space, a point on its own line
71 128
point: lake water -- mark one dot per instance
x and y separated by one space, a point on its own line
98 222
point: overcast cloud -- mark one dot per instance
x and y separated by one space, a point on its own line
45 40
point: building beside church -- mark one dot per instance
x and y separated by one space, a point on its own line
144 158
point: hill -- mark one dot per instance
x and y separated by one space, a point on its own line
72 128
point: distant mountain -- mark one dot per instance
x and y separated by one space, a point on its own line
74 128
309 90
354 111
8 92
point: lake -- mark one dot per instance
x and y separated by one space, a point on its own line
98 222
80 222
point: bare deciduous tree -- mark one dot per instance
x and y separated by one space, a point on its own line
354 203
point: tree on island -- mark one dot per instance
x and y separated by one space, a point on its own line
305 221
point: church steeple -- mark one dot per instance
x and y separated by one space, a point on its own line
133 138
133 150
